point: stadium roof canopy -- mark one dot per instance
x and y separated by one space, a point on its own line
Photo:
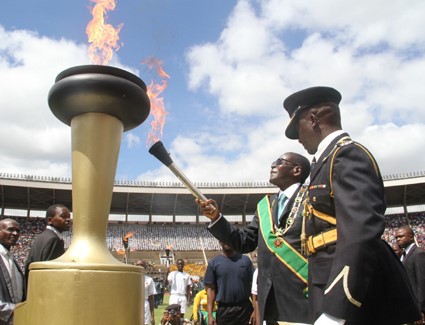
173 199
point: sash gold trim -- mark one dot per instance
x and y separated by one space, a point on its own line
277 245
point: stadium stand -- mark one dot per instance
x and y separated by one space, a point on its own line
160 215
149 242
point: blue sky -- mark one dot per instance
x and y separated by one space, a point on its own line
231 65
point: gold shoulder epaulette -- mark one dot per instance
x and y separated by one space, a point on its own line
344 141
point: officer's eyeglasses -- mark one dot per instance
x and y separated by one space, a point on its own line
280 161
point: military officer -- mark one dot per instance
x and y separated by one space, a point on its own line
354 276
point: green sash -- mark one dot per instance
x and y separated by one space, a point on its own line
288 255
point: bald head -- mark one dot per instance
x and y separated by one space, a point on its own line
303 164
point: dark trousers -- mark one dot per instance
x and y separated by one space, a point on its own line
234 314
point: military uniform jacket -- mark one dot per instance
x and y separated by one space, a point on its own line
288 289
358 278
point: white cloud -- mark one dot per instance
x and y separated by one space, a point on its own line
397 149
240 67
372 53
132 140
32 140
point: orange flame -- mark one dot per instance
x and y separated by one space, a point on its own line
103 37
157 103
129 235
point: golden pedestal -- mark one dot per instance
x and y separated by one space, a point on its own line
87 285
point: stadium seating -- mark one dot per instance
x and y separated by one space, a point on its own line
188 242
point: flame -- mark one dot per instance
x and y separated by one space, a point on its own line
103 37
120 251
157 103
128 235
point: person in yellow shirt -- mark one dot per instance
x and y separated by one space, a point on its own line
200 308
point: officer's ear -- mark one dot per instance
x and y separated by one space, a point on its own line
314 116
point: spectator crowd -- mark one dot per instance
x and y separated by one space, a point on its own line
181 237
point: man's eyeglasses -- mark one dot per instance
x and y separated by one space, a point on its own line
11 230
280 161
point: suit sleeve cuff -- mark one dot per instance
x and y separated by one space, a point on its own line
326 319
212 223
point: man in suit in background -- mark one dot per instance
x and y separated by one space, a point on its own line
49 244
354 276
413 259
12 284
282 270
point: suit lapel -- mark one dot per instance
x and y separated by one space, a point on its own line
7 279
406 257
274 208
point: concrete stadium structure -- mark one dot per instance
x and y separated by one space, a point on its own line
171 202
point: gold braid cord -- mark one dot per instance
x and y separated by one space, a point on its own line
306 214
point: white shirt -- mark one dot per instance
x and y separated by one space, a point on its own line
149 291
289 192
254 282
178 282
325 143
149 287
55 231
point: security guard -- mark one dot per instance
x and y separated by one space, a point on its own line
354 276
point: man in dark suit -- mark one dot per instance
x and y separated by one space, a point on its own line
49 244
282 270
413 259
354 276
12 284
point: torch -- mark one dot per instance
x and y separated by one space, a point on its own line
158 150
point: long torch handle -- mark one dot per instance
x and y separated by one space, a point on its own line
190 186
158 150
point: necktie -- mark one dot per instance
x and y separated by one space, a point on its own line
313 164
13 277
280 206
